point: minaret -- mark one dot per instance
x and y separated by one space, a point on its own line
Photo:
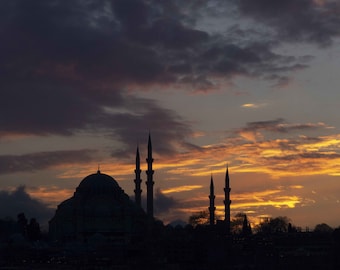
212 207
149 183
138 180
227 202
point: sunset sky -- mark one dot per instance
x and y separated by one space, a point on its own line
252 84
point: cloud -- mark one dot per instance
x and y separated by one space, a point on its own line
168 208
167 128
181 189
252 131
277 198
63 76
253 105
274 147
20 201
65 63
163 203
51 196
296 21
43 160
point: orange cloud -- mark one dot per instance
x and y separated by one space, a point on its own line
181 189
50 195
296 186
277 156
278 202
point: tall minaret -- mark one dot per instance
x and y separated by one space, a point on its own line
149 183
138 180
212 207
227 202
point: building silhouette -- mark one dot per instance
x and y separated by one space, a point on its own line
138 180
227 201
100 209
149 183
99 227
212 207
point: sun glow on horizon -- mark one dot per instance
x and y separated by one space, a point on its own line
275 158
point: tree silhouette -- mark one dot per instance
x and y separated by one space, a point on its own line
323 228
33 230
236 223
200 218
22 223
274 225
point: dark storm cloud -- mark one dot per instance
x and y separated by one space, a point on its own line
253 59
63 63
296 20
21 202
151 23
66 65
111 42
43 160
167 129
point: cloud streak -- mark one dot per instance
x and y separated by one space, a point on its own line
43 160
279 149
181 189
253 129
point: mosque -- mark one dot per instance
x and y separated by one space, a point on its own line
99 208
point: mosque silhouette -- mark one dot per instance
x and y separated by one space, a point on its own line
100 209
100 227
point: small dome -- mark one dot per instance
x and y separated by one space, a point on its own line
98 183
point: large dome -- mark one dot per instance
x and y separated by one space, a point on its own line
98 183
99 205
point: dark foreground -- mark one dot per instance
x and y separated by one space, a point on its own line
180 249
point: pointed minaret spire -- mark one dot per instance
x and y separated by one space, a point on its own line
227 201
149 183
138 180
212 207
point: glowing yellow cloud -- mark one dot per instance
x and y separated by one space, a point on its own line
280 202
248 105
252 105
296 187
181 189
277 157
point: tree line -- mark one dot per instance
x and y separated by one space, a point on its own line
240 224
29 230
